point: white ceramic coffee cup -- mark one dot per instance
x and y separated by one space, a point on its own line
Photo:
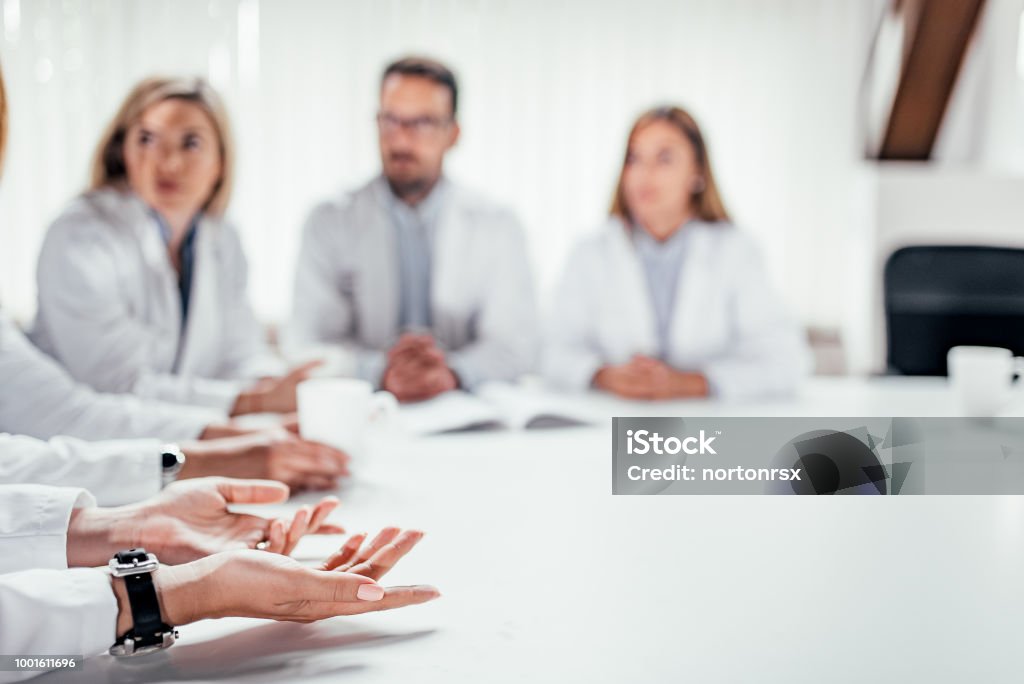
337 411
983 378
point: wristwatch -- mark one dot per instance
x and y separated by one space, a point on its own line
148 633
172 460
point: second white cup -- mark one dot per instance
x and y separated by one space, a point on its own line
983 378
337 411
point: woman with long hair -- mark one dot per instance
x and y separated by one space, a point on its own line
668 299
141 280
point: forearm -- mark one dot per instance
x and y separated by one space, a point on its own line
249 400
227 456
96 534
177 591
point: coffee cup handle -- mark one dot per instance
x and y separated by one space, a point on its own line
1018 370
383 406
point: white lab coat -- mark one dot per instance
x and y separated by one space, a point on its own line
110 309
483 305
114 472
39 398
728 322
55 612
34 525
46 609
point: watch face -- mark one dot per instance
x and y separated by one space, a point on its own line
170 460
173 459
136 555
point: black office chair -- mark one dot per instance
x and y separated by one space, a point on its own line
939 297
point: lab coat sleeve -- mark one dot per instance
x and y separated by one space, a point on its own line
507 335
570 356
249 355
322 313
115 472
34 525
38 398
55 612
93 334
768 355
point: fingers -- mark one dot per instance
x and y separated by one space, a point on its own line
381 562
306 521
276 536
337 456
419 388
315 483
411 342
290 422
300 523
383 537
251 491
307 464
347 594
394 597
301 372
432 356
325 460
345 554
321 511
442 379
336 587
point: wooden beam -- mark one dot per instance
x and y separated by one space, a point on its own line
937 34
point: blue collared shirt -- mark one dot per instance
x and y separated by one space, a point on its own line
415 227
662 263
186 257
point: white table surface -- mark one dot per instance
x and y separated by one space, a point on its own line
547 577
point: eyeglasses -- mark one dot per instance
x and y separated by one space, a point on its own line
419 126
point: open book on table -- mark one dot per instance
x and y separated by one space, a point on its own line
494 406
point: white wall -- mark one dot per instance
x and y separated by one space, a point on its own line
549 91
983 126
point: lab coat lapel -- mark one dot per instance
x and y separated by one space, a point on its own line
377 284
695 277
450 239
162 303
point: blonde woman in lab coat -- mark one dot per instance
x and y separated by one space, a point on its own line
142 283
47 608
669 299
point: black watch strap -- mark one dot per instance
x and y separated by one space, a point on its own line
148 629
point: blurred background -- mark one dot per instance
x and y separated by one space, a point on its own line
840 129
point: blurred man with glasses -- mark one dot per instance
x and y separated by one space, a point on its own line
413 281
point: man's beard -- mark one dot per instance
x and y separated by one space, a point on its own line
410 187
404 188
